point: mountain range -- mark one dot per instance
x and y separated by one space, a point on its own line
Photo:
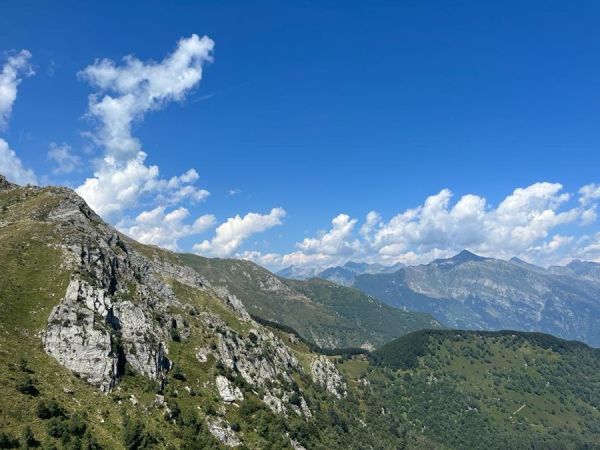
473 292
343 275
108 343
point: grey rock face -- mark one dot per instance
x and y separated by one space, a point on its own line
261 359
325 373
116 308
258 359
79 339
232 301
227 392
296 445
220 429
143 340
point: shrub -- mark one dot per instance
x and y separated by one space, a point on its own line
27 386
77 426
28 438
23 366
135 436
178 374
48 409
57 428
249 407
8 441
175 335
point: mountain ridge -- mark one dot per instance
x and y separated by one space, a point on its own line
319 310
484 293
109 343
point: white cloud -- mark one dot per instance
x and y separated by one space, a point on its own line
331 247
589 193
139 87
263 259
65 160
16 66
232 233
588 197
116 187
337 241
523 224
125 94
12 167
518 222
589 216
10 77
165 229
180 188
589 248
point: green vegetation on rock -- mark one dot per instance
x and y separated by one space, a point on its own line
330 315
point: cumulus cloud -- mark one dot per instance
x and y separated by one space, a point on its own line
232 233
165 229
263 259
12 167
589 248
125 93
336 241
181 188
520 220
64 159
116 187
522 224
138 87
328 248
588 197
16 66
589 193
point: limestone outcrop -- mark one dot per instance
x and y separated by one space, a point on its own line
325 373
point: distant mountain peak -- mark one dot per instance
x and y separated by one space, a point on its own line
466 255
581 263
354 265
460 258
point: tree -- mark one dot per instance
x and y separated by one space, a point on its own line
135 436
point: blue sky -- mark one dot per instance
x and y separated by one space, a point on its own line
329 108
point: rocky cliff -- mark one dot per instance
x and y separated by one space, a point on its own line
126 306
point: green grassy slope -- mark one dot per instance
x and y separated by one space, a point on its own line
320 311
492 389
